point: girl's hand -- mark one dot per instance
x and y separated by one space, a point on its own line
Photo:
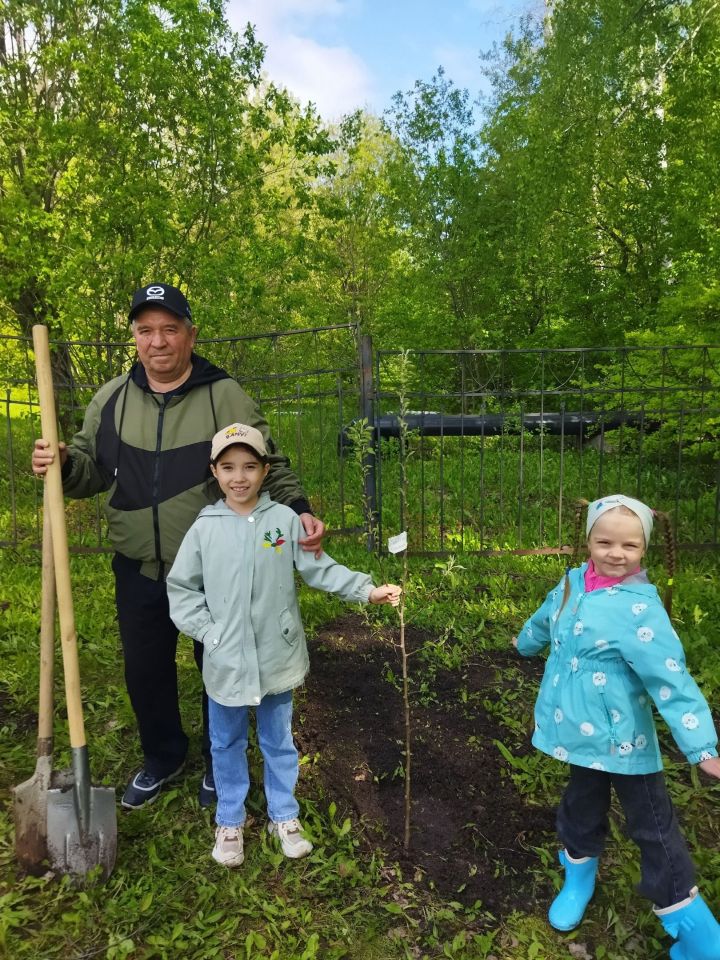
711 767
387 593
514 642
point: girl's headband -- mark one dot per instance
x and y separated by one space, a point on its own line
598 507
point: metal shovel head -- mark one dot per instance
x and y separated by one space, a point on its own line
30 810
81 826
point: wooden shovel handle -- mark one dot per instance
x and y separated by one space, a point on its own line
56 505
47 634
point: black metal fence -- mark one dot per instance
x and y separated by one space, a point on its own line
500 443
306 382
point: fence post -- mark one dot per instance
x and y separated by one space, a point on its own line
367 398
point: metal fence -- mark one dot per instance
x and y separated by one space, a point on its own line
502 443
306 382
499 443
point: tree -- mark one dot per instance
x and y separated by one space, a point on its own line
137 141
585 144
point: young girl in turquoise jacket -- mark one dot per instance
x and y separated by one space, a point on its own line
613 653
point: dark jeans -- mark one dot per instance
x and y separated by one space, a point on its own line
149 640
667 871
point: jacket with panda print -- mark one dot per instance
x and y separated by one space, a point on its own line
613 652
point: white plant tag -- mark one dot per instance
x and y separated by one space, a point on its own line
398 543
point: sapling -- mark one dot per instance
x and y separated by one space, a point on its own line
399 545
360 436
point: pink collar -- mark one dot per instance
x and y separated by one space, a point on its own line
594 581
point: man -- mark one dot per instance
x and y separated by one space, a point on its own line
146 440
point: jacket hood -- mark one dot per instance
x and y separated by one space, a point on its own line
203 372
635 583
221 509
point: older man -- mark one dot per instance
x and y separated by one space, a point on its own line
146 440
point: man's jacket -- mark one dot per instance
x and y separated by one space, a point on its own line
151 452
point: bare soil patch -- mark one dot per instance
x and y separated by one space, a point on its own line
472 831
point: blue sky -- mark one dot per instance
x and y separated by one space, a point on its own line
344 54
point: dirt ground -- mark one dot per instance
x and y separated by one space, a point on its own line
472 833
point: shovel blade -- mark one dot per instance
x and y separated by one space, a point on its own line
30 812
74 847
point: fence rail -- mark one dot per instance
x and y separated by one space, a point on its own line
500 443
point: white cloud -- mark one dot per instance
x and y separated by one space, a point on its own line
462 65
333 77
276 13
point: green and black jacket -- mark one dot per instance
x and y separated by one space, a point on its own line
152 453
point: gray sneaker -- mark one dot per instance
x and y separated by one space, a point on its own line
293 843
228 849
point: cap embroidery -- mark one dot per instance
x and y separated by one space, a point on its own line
277 543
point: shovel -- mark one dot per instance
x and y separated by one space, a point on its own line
30 797
81 819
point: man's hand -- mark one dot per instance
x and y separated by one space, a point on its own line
315 531
386 593
42 456
711 767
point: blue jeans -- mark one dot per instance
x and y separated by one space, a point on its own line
667 870
228 742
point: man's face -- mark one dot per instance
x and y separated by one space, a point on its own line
164 343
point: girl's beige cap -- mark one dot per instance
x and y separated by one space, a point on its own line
237 433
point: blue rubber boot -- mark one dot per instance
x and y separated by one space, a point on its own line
696 930
568 908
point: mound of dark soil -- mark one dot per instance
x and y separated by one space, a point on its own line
472 832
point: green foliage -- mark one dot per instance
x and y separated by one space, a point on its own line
581 207
166 898
138 142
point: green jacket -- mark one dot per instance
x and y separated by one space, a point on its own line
151 452
232 587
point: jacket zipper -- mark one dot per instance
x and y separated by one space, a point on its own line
156 484
611 723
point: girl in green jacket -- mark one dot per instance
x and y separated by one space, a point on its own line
232 588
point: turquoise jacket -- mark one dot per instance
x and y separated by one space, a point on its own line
232 587
613 652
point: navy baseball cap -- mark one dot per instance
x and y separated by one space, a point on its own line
160 295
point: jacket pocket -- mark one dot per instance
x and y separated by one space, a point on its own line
611 728
212 640
289 627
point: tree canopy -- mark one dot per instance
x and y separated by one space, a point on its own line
576 205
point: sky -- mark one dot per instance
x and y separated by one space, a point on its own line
349 54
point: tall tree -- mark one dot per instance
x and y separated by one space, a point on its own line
585 145
136 141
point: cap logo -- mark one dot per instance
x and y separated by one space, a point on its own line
155 293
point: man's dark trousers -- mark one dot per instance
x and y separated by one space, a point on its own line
149 640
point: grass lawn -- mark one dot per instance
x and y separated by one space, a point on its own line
356 896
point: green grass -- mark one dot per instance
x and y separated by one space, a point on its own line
167 899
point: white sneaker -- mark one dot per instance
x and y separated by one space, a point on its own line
293 843
228 848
